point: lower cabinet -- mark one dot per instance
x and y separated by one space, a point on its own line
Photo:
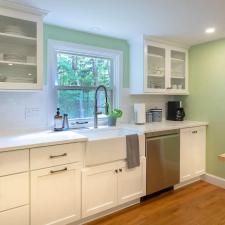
131 182
17 216
56 195
111 184
192 152
14 191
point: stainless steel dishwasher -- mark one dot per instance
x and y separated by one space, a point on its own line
163 160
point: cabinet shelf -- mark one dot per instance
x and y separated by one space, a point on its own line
13 38
156 56
177 60
156 75
175 77
17 63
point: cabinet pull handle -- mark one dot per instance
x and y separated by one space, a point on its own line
58 171
194 132
169 88
116 171
121 170
57 156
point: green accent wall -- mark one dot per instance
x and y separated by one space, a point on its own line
206 101
67 35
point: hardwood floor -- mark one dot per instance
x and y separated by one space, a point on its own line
197 204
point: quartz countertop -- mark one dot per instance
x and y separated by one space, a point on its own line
31 139
163 126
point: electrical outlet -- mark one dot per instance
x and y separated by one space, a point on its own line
32 113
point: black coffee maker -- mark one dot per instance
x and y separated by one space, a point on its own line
175 111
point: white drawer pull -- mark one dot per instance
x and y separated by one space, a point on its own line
58 171
57 156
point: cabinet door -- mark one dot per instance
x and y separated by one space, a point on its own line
56 195
178 82
21 35
17 216
186 151
14 191
131 182
99 189
199 155
192 152
155 67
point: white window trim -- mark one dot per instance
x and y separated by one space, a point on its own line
115 55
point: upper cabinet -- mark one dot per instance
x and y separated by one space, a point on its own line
158 68
21 50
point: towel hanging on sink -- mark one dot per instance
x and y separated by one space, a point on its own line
133 155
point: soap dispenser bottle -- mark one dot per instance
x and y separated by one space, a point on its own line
58 121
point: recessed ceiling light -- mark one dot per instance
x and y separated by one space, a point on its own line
210 30
10 64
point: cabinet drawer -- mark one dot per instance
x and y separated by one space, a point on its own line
56 155
14 162
18 216
14 191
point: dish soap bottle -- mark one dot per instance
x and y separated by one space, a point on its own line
58 121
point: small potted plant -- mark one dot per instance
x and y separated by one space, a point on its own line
113 115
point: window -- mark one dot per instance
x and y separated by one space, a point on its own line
79 70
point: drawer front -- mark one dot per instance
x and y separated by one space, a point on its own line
14 162
56 155
14 191
18 216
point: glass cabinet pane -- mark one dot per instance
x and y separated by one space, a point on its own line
18 51
155 67
178 70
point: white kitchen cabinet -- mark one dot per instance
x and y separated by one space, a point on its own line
131 182
99 186
111 184
17 216
14 162
14 191
21 50
56 195
158 68
192 152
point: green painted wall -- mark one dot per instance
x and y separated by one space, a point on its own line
207 98
63 34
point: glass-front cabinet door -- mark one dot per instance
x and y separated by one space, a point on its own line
178 70
20 51
155 67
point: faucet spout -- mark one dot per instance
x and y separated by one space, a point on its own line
96 112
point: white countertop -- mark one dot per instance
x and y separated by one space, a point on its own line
163 126
31 139
21 140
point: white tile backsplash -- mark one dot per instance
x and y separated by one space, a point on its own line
31 109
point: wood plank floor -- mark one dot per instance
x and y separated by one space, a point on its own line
197 204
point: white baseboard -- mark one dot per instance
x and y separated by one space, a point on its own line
185 183
105 213
218 181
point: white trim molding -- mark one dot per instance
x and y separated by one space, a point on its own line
212 179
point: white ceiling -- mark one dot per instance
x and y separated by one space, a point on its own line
178 20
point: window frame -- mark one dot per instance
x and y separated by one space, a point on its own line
73 48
